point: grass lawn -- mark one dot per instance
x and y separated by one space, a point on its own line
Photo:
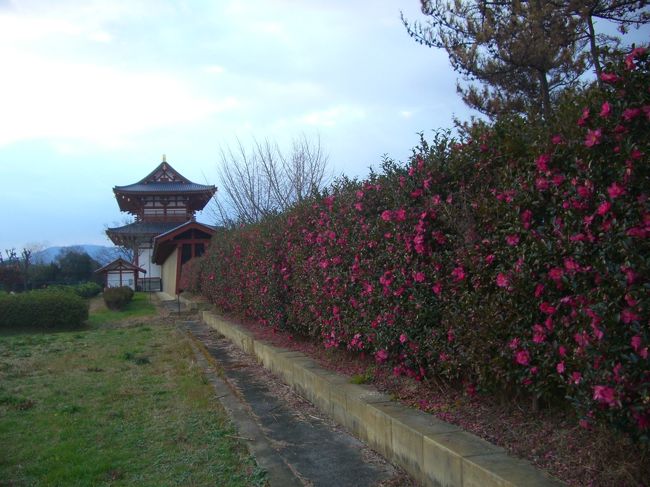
141 305
113 405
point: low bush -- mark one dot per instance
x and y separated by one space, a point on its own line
42 309
87 289
515 260
117 298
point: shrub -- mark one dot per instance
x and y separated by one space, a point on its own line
42 309
514 260
87 289
118 297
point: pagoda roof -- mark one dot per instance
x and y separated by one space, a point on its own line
165 180
120 264
138 232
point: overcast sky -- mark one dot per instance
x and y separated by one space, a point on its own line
92 93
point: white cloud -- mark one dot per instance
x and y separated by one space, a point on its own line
47 99
215 69
333 116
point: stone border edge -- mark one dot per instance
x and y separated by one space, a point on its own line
435 453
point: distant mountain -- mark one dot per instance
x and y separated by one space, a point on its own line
101 253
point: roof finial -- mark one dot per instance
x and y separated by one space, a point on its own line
164 158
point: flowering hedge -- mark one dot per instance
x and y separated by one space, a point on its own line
516 261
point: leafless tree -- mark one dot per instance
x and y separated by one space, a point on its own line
262 180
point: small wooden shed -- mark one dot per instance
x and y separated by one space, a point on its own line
120 273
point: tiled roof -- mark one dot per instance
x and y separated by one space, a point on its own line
166 187
144 228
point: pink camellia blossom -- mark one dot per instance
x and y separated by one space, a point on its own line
557 139
437 288
605 110
512 240
539 334
547 308
502 280
571 265
635 341
628 316
615 190
403 338
576 378
609 78
451 336
560 368
542 162
458 273
358 206
542 184
387 215
605 395
593 137
526 218
584 117
514 343
381 356
400 215
631 114
555 273
419 277
522 357
539 290
489 259
604 208
629 59
561 351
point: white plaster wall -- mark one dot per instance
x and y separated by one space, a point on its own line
113 279
144 261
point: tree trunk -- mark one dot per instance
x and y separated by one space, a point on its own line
595 55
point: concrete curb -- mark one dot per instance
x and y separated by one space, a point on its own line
434 452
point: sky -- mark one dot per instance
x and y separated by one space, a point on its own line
93 93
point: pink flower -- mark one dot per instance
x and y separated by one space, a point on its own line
437 288
606 395
400 215
557 139
555 273
450 335
458 273
512 240
571 265
546 308
522 357
629 59
584 117
514 343
604 208
502 280
419 277
636 342
526 218
542 184
628 316
593 137
609 78
358 206
605 110
403 338
386 215
381 356
542 162
631 114
539 290
560 368
615 190
489 259
562 351
576 378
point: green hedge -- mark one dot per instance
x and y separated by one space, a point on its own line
42 309
118 297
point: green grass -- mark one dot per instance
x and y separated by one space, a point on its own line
140 306
113 406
